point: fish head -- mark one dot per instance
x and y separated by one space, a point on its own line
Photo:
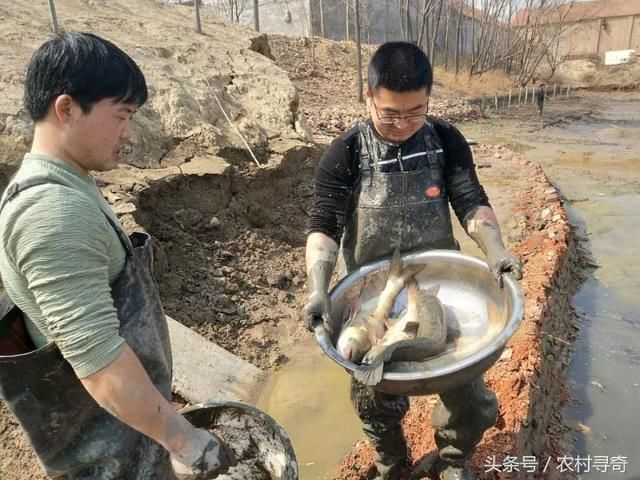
353 344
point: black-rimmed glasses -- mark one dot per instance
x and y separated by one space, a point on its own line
393 119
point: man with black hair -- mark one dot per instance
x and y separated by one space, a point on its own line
85 360
387 183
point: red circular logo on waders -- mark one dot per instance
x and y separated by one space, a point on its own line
433 191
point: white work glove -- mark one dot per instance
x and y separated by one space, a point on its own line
205 457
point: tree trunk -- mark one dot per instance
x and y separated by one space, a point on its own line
386 21
358 52
313 42
256 16
427 36
321 19
196 5
473 35
435 36
54 17
458 38
347 18
446 37
403 18
408 21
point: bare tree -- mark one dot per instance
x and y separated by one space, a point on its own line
459 35
425 9
407 11
541 25
346 16
368 17
232 8
434 35
446 35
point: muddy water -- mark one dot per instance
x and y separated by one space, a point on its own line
590 149
309 398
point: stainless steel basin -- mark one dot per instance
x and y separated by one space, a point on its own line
481 317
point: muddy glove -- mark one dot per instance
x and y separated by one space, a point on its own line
205 457
501 261
318 308
483 228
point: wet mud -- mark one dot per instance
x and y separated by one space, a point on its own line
230 254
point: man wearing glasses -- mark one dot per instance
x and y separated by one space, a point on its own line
387 183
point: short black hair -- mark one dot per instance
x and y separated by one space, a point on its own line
400 67
84 66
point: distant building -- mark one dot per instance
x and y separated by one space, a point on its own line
594 27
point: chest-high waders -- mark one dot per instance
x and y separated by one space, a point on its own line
73 437
409 210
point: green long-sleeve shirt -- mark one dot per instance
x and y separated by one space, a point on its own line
58 256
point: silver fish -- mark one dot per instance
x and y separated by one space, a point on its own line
364 328
415 336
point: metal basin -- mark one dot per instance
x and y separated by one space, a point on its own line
481 317
268 443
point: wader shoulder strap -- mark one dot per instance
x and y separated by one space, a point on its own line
435 160
15 188
362 154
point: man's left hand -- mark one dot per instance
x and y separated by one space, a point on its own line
502 261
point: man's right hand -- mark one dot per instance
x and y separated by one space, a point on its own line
317 310
204 457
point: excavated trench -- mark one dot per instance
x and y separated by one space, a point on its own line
230 264
230 252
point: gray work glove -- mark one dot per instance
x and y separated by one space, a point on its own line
206 457
318 308
501 261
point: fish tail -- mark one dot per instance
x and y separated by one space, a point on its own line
411 271
395 268
413 288
371 374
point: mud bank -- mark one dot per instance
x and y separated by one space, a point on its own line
229 242
528 378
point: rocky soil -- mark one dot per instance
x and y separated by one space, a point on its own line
593 75
187 75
